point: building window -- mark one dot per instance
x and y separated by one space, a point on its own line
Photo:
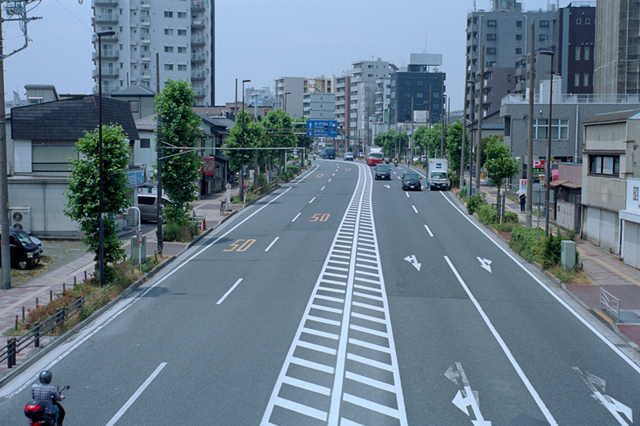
168 67
518 50
182 67
577 53
168 32
559 129
543 37
134 106
585 81
182 49
491 37
587 53
182 32
168 14
576 80
491 50
182 15
604 165
419 95
518 24
168 49
518 36
544 24
53 157
578 21
492 23
587 21
145 143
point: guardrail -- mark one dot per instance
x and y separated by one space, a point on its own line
611 302
16 344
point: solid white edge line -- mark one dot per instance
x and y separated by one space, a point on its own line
562 302
272 243
229 291
135 396
297 216
428 230
505 348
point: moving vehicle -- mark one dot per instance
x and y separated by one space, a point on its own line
148 205
375 156
348 156
329 153
411 180
437 174
35 412
383 171
24 252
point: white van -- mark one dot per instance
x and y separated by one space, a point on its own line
148 205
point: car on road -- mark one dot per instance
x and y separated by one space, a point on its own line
411 180
383 171
348 156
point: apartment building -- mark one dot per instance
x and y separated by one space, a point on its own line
180 32
319 106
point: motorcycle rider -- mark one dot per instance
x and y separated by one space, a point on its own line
46 394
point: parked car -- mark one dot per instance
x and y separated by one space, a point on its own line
348 156
148 205
411 180
37 242
24 252
383 171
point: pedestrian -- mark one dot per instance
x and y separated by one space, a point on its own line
523 202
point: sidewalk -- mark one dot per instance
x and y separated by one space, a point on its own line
49 284
604 270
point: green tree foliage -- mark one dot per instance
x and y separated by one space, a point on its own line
302 140
500 163
181 164
392 142
429 139
278 131
83 204
454 148
244 134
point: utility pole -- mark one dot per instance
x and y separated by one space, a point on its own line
529 201
480 114
442 109
159 160
464 124
17 11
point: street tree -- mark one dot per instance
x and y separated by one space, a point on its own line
181 164
278 131
83 204
246 133
454 147
430 139
302 141
392 142
500 164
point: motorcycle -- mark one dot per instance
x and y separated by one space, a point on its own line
395 162
35 412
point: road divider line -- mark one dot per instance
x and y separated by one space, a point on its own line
229 291
407 194
135 396
312 200
414 208
428 230
322 189
272 243
297 216
541 405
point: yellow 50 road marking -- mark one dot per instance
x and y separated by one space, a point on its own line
240 246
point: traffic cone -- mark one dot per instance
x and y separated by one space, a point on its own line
204 223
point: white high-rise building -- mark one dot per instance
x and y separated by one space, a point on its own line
180 31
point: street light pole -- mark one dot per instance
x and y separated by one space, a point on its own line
242 151
547 169
100 166
471 139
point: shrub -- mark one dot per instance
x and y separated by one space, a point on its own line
487 215
175 232
463 193
523 241
510 217
476 201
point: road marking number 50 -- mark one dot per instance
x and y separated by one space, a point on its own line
239 245
318 217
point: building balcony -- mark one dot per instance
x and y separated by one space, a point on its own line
145 21
145 39
108 73
145 77
197 40
197 23
111 55
198 75
106 18
199 93
145 57
198 57
145 4
197 6
105 3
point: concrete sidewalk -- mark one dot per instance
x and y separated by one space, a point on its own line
50 284
604 269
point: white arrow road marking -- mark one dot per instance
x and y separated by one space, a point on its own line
466 398
485 263
615 407
412 260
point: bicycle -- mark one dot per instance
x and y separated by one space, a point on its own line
222 208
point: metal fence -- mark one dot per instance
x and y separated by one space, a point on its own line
17 344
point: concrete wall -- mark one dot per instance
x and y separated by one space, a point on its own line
43 194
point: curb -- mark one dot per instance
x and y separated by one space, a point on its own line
31 359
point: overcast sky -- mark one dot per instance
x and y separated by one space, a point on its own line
262 40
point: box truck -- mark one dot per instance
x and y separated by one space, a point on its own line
375 156
438 174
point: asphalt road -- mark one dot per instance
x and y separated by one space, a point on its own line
340 299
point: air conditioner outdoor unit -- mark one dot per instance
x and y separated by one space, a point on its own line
20 218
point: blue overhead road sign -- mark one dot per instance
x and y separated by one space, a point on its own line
327 128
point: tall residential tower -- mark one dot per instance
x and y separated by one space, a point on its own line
182 32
